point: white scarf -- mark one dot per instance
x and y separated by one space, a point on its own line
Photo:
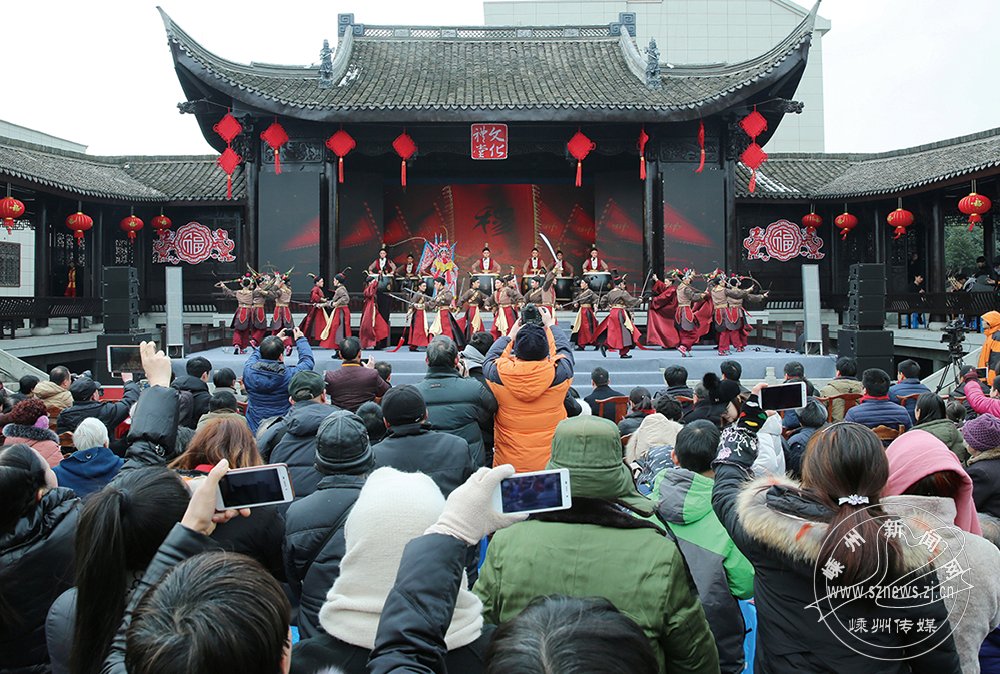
392 509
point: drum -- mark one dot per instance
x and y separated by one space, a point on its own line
599 281
564 288
486 282
384 283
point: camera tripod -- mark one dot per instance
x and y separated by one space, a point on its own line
952 371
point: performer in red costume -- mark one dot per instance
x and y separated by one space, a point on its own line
594 262
618 331
241 318
415 335
585 323
373 328
689 323
258 313
737 315
542 294
508 299
444 321
486 264
724 327
282 317
661 326
475 301
314 322
338 326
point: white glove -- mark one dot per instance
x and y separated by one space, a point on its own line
469 514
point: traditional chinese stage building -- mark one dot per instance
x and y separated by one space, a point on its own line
392 101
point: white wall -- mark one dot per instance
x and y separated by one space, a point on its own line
26 239
698 31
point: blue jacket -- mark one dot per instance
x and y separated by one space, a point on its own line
872 413
907 387
266 382
88 470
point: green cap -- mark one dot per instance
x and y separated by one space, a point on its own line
306 385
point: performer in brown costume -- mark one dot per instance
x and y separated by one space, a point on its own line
618 331
688 322
474 300
338 326
241 318
585 324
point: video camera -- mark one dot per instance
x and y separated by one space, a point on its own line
954 336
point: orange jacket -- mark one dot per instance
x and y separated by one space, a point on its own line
989 357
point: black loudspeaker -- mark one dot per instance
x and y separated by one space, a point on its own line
120 305
866 303
101 372
866 320
870 348
866 286
121 276
865 271
118 323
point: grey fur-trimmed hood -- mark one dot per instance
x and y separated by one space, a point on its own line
29 433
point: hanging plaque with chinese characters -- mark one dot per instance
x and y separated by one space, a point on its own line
489 141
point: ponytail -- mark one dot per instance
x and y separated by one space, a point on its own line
22 474
120 529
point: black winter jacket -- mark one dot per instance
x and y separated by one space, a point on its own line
36 566
111 414
199 393
781 532
314 544
984 469
460 406
297 446
152 439
413 448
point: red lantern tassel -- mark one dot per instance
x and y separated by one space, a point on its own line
131 236
277 160
973 219
642 167
579 172
402 173
79 238
229 187
753 181
340 169
701 144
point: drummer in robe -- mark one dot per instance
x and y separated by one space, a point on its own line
408 270
737 314
594 262
281 319
585 324
533 266
541 293
486 264
384 269
508 301
373 329
474 300
314 322
339 326
444 321
688 322
661 326
415 333
241 318
561 267
618 331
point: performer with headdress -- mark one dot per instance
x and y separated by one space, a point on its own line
486 264
474 300
314 322
241 323
541 293
282 317
561 267
737 315
408 270
594 262
585 324
415 334
661 326
508 300
383 268
724 327
533 266
373 328
258 311
689 323
618 331
338 325
444 321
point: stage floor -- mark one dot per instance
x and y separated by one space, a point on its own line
644 369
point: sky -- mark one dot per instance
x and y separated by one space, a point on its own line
897 73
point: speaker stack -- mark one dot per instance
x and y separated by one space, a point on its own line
864 336
120 299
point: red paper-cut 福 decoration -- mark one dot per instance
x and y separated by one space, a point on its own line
131 224
275 137
340 143
643 139
79 222
579 147
701 146
10 208
405 147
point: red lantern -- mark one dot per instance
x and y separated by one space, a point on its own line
79 222
131 224
340 143
10 208
974 205
228 161
160 222
900 219
579 147
845 222
811 222
275 137
405 147
643 139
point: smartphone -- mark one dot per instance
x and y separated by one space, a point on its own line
536 492
783 396
288 332
252 487
125 358
981 372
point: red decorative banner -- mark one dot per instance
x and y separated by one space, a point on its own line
489 141
782 240
192 243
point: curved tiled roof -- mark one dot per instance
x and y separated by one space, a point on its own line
181 178
454 74
846 176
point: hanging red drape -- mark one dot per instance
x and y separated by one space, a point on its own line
643 139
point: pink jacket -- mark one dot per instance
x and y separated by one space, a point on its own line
916 454
44 441
979 401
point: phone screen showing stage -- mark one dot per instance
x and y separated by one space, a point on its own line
531 492
124 359
246 488
782 397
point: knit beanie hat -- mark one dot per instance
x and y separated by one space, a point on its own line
342 445
403 405
531 342
982 433
392 509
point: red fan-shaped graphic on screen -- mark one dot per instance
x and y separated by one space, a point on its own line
677 227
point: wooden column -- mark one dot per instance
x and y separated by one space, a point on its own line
329 222
250 226
651 260
97 261
43 256
935 247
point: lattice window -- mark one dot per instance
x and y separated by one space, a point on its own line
10 265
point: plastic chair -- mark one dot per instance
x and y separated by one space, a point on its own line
848 400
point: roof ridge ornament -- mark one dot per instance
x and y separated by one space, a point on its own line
653 79
325 66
